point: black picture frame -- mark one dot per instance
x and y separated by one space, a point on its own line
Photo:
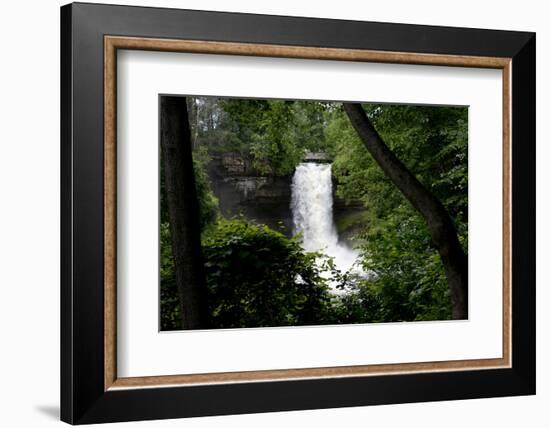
83 396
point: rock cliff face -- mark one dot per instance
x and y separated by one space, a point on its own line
233 164
263 199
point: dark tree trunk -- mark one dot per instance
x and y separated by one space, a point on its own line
183 211
440 225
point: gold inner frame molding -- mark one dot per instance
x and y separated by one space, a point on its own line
113 43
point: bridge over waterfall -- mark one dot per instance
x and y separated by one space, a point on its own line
316 157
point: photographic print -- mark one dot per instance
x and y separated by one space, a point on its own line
294 213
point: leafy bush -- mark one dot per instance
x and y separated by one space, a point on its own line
257 277
407 275
170 313
208 203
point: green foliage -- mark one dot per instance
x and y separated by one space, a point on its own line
272 134
170 313
407 274
208 203
406 280
257 277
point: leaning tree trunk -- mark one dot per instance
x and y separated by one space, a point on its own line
440 225
183 211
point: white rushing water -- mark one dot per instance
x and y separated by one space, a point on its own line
312 213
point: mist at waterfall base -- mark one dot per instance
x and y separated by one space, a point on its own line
311 206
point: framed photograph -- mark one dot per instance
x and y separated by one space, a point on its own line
265 213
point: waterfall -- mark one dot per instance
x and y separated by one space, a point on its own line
311 206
